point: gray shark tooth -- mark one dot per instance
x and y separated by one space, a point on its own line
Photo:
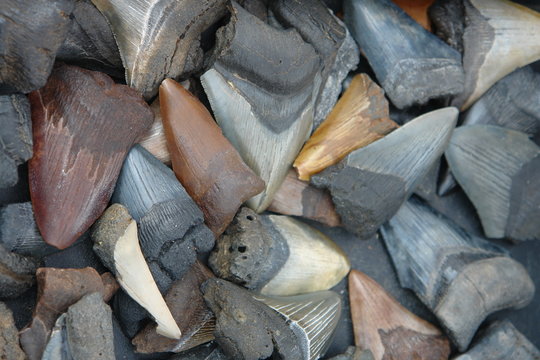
331 40
171 226
58 346
498 170
447 21
277 255
460 277
159 39
370 184
501 341
117 244
354 353
17 273
411 64
500 36
262 89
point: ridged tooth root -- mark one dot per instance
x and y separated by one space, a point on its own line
117 244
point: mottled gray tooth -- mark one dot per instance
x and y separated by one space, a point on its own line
411 64
371 183
488 162
58 347
460 277
447 21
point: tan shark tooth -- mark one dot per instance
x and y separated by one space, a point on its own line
154 140
117 244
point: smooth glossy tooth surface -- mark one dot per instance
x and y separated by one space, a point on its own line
500 36
418 10
154 140
485 160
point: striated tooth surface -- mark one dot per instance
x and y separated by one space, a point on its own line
418 10
360 117
388 329
83 126
411 64
205 162
262 89
16 273
448 24
154 140
9 339
370 184
460 277
498 170
205 352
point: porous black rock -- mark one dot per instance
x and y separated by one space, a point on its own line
16 273
447 21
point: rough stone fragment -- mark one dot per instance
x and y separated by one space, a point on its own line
9 339
16 273
447 17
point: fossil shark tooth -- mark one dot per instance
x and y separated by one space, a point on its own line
16 273
370 184
460 277
9 345
159 39
205 162
262 89
299 198
83 126
277 255
500 341
117 244
498 170
360 117
154 140
58 347
418 10
354 353
447 21
389 330
411 64
500 36
32 32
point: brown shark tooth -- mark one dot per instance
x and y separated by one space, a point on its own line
83 126
154 140
299 198
360 117
205 162
418 10
384 326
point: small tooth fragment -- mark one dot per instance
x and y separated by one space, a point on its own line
411 64
9 339
501 341
299 198
117 244
384 326
154 140
447 20
418 10
262 89
370 184
159 39
205 162
58 347
277 255
500 36
32 32
360 117
16 273
83 126
460 277
504 192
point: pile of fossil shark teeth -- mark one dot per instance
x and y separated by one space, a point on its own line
159 39
411 64
369 185
78 149
499 37
460 277
251 326
205 162
277 255
505 191
262 89
384 326
360 117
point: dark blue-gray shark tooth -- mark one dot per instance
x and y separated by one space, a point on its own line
460 277
58 346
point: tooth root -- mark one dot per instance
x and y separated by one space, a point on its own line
370 184
461 278
411 64
117 244
381 324
360 117
500 36
447 20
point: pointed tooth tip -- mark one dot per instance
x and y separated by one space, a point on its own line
172 332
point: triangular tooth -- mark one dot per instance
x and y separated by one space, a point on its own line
488 162
411 64
277 255
500 36
360 117
154 140
501 341
384 326
205 162
460 277
418 10
447 21
262 96
370 184
117 244
159 39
